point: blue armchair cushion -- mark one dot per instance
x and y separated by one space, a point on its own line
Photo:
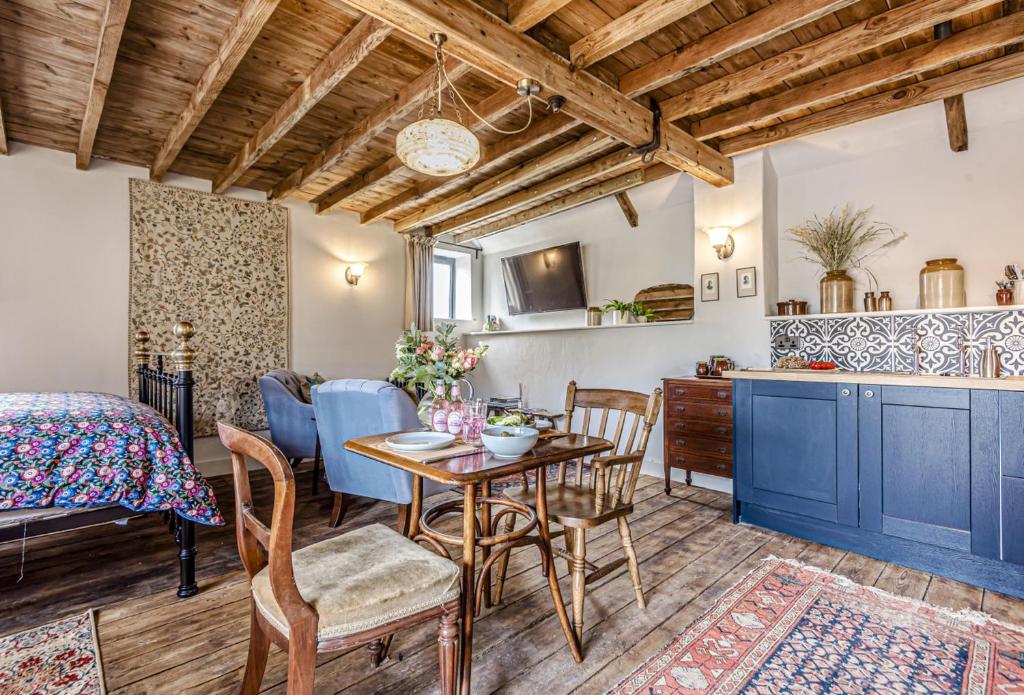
292 427
349 408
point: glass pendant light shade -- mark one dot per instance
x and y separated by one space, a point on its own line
437 147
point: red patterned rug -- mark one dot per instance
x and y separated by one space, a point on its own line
790 628
61 657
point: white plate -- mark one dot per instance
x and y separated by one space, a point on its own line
540 424
419 441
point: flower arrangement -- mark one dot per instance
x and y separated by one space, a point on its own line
424 362
844 239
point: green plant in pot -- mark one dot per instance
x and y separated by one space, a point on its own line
618 311
640 313
841 242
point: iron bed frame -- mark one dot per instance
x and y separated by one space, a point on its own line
170 393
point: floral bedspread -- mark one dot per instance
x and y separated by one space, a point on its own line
91 449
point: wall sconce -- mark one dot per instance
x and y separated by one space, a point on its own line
354 271
721 241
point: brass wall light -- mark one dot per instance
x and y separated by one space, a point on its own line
354 271
721 241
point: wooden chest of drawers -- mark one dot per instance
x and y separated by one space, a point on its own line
698 427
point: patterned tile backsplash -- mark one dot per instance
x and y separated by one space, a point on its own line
883 343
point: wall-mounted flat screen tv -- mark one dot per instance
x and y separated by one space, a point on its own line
546 280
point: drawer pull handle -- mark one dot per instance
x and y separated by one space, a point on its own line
723 394
720 466
722 413
680 392
680 442
723 430
680 408
722 450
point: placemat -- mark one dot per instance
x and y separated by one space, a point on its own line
457 449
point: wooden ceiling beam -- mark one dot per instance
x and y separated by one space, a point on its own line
243 31
621 160
524 14
856 38
628 209
568 202
373 124
346 55
640 22
114 17
3 132
494 47
935 89
1009 7
498 104
956 122
741 35
920 58
493 156
586 145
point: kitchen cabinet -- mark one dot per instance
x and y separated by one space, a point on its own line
698 427
914 475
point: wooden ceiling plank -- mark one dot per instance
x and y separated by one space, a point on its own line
377 121
586 145
3 132
494 47
895 66
524 14
498 104
239 37
764 25
114 17
640 22
935 89
494 155
862 36
628 209
568 202
956 122
1009 7
622 159
346 55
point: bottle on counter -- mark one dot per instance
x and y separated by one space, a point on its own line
456 412
439 409
990 366
885 301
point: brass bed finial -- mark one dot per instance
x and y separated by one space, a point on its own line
183 355
142 347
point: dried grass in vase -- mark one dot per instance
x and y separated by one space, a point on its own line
844 239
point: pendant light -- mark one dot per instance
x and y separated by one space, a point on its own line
439 146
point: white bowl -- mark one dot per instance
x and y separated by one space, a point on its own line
517 442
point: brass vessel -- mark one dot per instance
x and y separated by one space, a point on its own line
837 292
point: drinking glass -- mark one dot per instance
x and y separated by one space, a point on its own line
474 422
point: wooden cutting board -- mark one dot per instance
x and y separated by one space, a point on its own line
671 302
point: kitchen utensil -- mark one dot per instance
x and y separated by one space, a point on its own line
420 441
702 369
509 442
990 367
792 307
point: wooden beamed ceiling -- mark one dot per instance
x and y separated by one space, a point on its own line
303 98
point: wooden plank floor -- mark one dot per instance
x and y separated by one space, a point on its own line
690 553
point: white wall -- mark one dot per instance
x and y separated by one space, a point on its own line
968 205
64 281
619 261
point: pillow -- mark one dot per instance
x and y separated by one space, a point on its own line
307 385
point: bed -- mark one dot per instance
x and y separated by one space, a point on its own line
76 459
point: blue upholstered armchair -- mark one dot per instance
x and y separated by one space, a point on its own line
292 424
349 408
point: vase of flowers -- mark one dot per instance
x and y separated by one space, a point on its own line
840 243
427 366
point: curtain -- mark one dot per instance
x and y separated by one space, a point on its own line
419 280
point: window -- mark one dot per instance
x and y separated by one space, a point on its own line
444 287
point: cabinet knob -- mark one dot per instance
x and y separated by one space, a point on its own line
723 430
680 392
723 394
680 442
723 413
720 466
680 408
845 392
869 394
722 450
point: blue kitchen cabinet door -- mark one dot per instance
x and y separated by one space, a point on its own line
796 448
1011 432
927 466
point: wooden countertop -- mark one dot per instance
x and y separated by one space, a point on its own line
1010 383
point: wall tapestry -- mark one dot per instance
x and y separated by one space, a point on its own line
221 263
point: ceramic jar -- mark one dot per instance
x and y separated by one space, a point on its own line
1004 297
942 284
836 290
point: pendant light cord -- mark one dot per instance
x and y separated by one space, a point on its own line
456 92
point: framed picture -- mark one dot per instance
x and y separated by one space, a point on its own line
746 282
709 287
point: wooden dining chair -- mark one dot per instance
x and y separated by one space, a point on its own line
598 491
356 588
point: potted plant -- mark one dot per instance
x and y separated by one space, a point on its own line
426 363
640 313
839 243
619 311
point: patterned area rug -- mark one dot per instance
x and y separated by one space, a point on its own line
790 628
61 657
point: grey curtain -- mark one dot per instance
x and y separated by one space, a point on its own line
419 280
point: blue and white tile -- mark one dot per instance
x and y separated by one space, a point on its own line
941 351
1006 330
862 343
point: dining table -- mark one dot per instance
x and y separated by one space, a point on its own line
473 469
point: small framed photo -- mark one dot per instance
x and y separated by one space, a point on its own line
709 287
746 282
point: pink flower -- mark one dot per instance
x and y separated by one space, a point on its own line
438 352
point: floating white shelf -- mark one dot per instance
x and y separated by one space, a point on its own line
902 312
558 329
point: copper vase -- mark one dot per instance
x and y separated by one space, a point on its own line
837 292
